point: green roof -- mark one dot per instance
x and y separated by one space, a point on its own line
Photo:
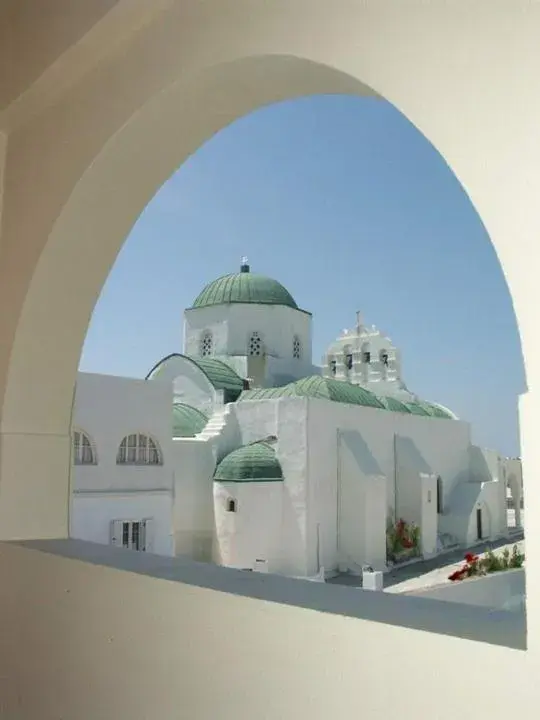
434 410
219 374
344 392
187 420
416 408
245 287
393 404
320 388
251 463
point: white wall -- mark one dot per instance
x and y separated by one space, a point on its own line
193 510
93 513
108 408
189 384
429 519
254 531
378 377
361 508
286 419
439 446
231 327
492 591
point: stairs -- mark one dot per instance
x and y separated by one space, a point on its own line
216 424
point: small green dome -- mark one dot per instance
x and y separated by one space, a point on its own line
245 287
187 421
251 463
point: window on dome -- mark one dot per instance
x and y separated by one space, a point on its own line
333 367
83 449
207 345
349 361
231 505
138 449
255 345
297 348
383 356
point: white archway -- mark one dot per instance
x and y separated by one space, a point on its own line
83 165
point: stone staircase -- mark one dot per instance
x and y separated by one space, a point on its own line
215 425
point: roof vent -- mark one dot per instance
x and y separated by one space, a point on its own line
244 267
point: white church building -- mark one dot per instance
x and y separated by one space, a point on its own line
241 451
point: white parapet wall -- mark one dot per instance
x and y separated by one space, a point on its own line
134 635
496 590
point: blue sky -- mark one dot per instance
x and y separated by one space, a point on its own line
344 202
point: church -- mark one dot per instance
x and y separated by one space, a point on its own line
241 451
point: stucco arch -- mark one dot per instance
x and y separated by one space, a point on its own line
80 169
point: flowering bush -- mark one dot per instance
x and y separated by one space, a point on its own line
402 539
490 563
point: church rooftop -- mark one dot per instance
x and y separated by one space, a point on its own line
251 463
187 421
244 287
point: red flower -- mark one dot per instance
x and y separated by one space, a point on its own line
470 558
457 574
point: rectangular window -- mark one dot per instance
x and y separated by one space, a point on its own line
333 367
349 362
366 357
130 534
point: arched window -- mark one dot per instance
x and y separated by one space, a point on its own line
439 496
255 344
231 505
83 449
348 357
138 449
296 348
366 353
207 344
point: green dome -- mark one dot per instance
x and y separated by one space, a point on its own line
251 463
245 287
187 421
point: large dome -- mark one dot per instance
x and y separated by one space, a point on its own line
245 287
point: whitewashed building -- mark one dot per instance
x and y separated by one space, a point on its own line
240 451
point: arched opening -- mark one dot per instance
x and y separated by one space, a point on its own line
84 450
138 449
85 154
86 210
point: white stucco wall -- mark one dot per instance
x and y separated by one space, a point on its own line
493 591
93 513
253 532
189 384
108 408
431 446
361 508
231 327
286 419
378 377
193 511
